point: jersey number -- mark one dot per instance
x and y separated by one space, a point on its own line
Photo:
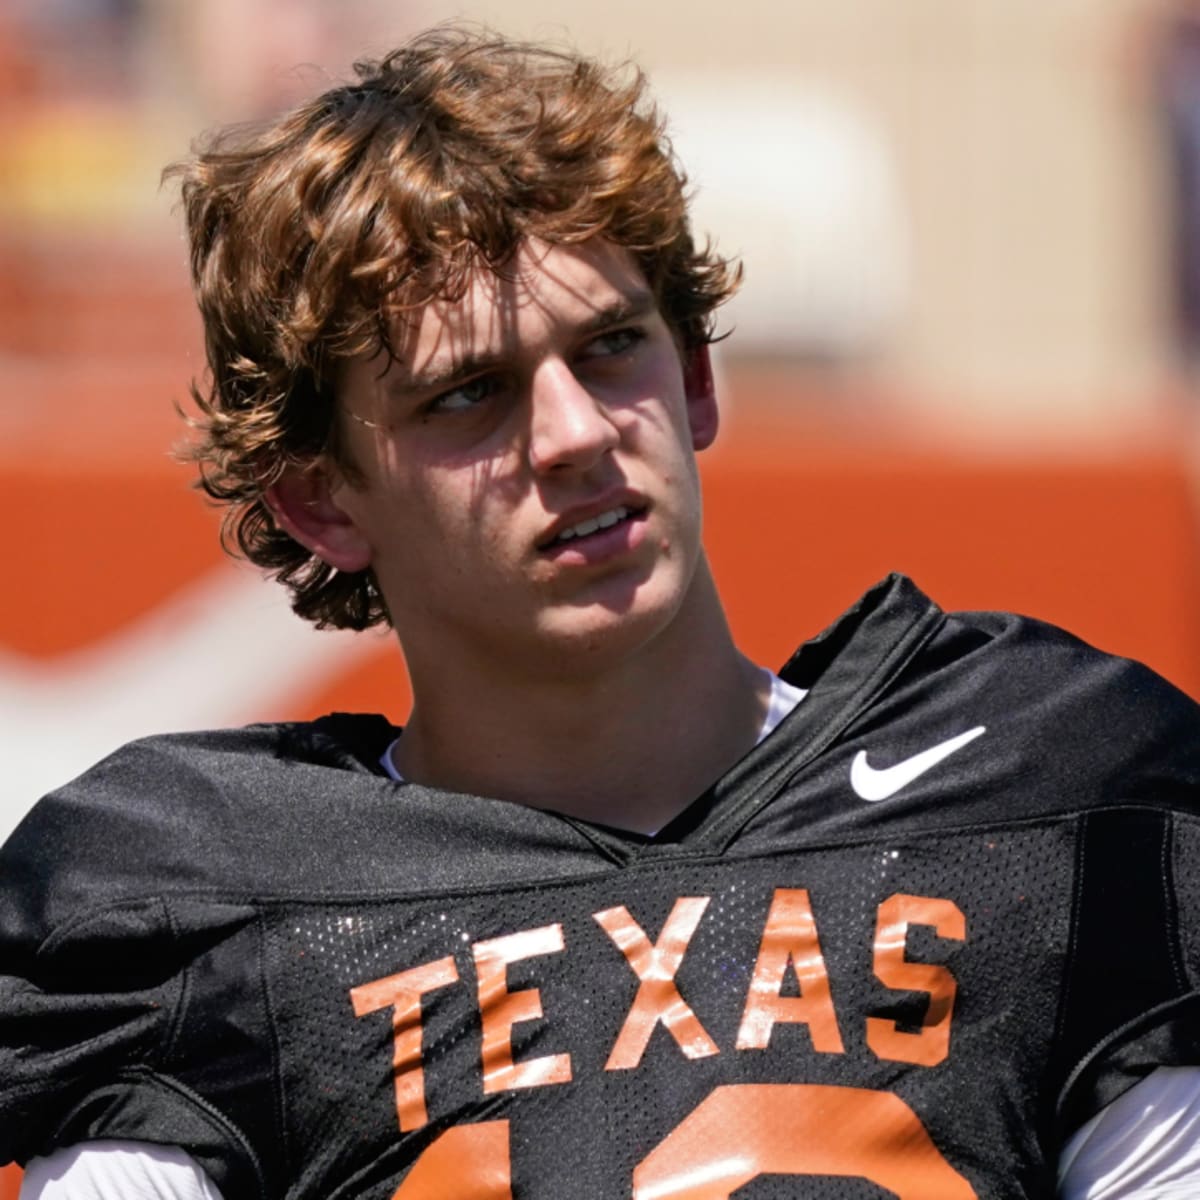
737 1133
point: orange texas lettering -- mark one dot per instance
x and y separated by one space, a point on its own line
789 942
657 998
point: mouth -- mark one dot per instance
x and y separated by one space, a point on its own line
600 522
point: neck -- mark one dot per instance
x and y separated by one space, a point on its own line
629 745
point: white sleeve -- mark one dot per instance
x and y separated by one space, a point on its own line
1143 1146
117 1170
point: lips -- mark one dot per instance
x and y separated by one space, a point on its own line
604 521
579 524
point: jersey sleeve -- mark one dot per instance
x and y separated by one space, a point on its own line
1130 1003
105 962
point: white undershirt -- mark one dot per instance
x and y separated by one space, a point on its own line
1143 1146
114 1170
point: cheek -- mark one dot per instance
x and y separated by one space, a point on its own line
660 436
461 517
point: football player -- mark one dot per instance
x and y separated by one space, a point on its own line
618 912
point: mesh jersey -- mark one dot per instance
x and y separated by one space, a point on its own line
324 984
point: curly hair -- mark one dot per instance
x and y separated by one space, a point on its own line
308 235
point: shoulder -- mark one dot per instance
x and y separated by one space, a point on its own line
172 777
340 741
1005 662
1050 674
184 812
1103 727
1063 727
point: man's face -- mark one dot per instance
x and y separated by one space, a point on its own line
528 487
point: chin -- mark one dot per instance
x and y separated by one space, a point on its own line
609 628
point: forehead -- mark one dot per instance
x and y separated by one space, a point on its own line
543 290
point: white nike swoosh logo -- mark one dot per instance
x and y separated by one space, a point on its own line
871 783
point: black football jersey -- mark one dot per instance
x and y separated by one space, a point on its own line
943 914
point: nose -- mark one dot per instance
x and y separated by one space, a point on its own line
569 426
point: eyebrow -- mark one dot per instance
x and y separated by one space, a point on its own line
635 306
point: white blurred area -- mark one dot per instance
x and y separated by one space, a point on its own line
955 207
801 187
231 636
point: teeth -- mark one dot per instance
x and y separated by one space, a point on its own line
604 521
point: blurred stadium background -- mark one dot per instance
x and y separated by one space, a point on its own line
956 355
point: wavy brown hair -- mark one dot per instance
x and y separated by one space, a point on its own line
309 234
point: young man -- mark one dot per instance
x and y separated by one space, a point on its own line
618 912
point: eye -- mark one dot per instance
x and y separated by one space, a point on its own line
614 342
465 396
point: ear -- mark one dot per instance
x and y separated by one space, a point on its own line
303 505
701 394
